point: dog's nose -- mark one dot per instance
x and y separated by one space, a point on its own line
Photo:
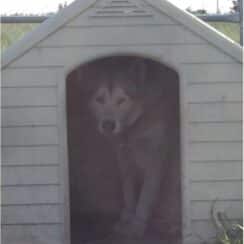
108 125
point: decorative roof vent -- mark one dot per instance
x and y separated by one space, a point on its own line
121 8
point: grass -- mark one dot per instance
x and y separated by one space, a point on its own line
231 30
11 33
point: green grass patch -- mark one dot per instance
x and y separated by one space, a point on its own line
232 30
10 33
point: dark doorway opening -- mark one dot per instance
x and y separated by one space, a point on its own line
96 192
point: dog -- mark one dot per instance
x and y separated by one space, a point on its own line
129 105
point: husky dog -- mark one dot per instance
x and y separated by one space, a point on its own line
130 110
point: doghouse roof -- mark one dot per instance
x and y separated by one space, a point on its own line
217 39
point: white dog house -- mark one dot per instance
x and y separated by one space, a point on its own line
35 196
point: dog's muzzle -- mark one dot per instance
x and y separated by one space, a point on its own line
109 126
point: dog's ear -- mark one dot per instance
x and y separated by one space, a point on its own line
138 70
87 78
137 73
149 79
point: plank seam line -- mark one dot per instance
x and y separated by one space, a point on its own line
30 126
29 185
32 87
214 141
215 102
28 106
32 223
201 83
216 122
216 181
81 26
47 46
28 165
219 200
30 204
31 145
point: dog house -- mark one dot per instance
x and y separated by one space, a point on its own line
36 202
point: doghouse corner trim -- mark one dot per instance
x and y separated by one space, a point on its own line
208 33
63 158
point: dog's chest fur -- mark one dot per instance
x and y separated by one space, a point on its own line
145 142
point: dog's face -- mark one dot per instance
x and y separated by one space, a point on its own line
114 109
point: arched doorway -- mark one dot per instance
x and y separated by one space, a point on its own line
149 94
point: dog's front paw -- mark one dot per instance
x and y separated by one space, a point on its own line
124 220
136 228
132 229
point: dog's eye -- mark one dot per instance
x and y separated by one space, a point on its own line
121 101
100 99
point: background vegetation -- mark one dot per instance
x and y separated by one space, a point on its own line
231 30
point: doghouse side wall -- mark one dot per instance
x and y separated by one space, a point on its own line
215 154
31 202
30 163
